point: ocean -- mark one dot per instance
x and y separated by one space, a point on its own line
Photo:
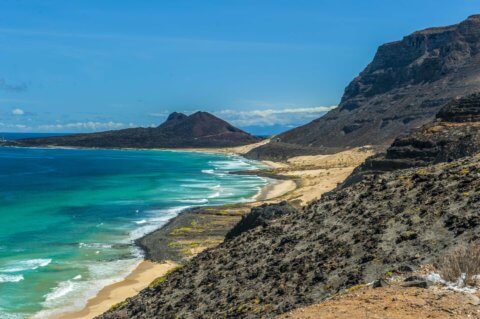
68 217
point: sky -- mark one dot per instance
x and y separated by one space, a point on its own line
265 66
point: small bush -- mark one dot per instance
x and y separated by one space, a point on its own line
160 280
119 305
461 265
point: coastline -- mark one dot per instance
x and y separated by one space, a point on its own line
152 267
299 180
113 294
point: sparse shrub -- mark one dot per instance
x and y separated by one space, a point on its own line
119 305
160 280
461 265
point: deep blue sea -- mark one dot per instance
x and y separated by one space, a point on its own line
68 217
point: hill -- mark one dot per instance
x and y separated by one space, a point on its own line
279 258
200 129
404 86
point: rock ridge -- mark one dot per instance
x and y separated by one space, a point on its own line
404 86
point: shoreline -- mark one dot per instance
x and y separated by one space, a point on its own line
298 180
115 293
151 268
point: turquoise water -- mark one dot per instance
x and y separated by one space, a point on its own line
68 217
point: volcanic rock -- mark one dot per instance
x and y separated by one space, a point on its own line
404 86
200 129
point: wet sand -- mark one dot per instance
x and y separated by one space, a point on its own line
140 278
307 178
147 271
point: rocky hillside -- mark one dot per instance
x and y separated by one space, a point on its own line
455 133
404 86
200 129
279 258
401 219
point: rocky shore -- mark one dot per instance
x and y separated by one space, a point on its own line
281 257
183 237
197 229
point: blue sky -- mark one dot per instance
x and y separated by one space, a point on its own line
266 66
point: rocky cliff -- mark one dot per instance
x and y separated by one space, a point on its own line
402 219
455 133
279 258
200 129
404 86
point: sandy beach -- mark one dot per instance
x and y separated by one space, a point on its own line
303 179
147 271
275 189
140 278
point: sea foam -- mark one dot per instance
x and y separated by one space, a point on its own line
23 265
11 278
69 295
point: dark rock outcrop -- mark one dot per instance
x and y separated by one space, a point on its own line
260 216
384 223
279 258
404 86
200 129
454 134
466 109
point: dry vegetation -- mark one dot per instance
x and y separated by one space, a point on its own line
461 265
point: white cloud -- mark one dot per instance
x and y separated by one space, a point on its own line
18 111
82 126
14 126
269 117
159 114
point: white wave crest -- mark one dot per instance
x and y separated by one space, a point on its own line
214 195
94 245
11 278
62 289
71 295
7 315
157 219
23 265
194 201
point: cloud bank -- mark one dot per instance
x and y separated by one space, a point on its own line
18 111
84 126
271 117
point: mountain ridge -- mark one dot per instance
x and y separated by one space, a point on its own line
404 86
279 258
200 129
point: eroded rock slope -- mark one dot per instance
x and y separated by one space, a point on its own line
455 133
404 86
389 222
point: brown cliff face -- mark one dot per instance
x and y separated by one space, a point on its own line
455 133
404 86
200 129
